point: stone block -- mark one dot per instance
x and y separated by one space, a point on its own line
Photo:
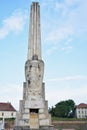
41 111
26 116
46 128
21 122
21 128
17 128
34 104
26 110
42 116
44 122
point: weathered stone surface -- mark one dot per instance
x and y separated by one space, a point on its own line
45 122
34 32
41 111
46 128
21 128
42 116
41 128
33 110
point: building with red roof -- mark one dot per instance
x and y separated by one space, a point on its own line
7 110
81 110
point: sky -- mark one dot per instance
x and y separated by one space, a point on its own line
64 49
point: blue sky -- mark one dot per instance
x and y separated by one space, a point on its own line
64 49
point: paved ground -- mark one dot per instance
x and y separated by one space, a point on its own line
64 129
68 129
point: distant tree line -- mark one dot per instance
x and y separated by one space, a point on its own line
63 109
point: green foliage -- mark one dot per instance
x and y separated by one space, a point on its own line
52 111
9 119
63 109
67 119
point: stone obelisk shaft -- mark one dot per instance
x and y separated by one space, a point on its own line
33 112
34 43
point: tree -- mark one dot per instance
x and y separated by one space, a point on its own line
52 111
63 109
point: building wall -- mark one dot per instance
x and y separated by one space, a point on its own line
81 112
7 114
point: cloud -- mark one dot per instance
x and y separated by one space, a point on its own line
65 7
60 34
11 93
77 17
69 78
57 94
67 48
64 20
13 23
51 50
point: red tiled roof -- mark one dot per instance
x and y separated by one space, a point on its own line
82 105
6 107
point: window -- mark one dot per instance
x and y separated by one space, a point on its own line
82 116
2 114
78 111
11 114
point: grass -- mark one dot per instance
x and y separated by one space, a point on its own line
67 119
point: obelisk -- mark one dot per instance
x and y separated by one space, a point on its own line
33 111
34 47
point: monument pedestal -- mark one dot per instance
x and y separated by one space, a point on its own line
28 128
21 128
33 109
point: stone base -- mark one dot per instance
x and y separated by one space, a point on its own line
21 128
46 128
28 128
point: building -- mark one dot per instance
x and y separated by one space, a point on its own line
33 110
7 110
81 110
